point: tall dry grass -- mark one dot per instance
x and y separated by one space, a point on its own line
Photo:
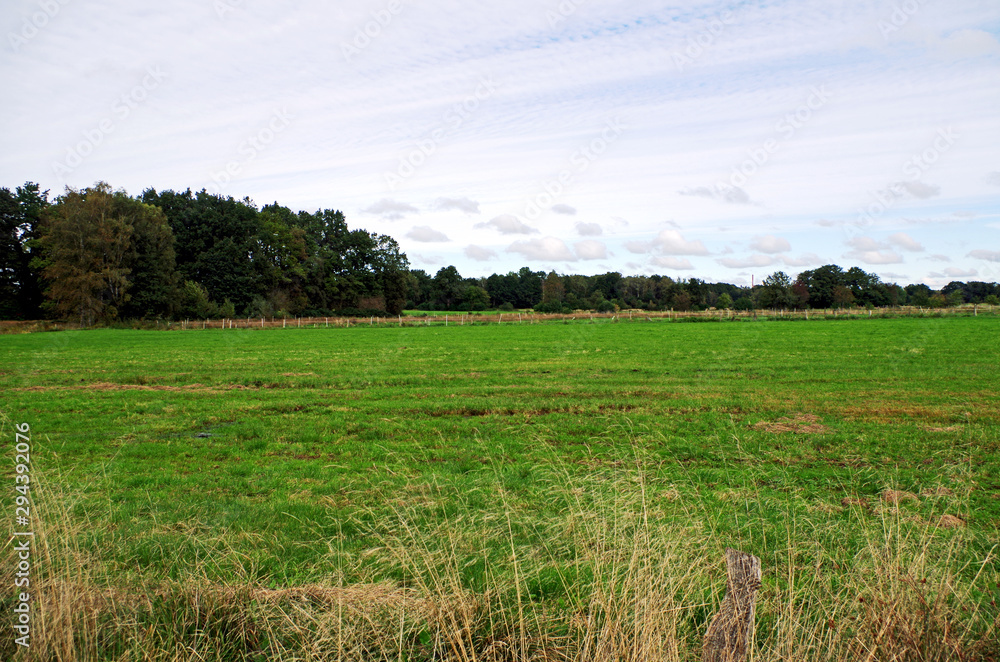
613 573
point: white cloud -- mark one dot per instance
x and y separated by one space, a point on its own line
993 178
563 209
430 260
589 230
591 249
390 209
507 224
722 193
875 256
920 190
679 263
638 246
971 43
426 233
806 260
670 242
479 253
863 243
905 241
756 260
937 257
457 204
549 249
989 256
892 276
770 244
952 272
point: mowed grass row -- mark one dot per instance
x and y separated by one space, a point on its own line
479 457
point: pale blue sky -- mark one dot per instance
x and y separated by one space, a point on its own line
698 139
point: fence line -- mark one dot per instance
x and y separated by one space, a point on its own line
639 317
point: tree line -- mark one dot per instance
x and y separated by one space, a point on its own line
99 255
828 286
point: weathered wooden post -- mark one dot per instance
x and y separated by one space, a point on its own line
729 634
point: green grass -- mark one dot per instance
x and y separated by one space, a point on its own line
430 456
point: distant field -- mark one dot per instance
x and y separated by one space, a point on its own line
511 463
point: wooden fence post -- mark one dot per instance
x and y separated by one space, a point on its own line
729 634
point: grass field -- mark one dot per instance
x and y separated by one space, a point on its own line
543 491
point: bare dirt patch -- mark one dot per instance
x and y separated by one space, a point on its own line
796 424
895 497
950 522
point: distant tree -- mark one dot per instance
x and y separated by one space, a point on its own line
553 291
682 301
153 277
743 303
843 297
775 291
725 302
20 226
918 294
86 244
799 295
448 287
529 287
821 283
218 242
955 298
475 298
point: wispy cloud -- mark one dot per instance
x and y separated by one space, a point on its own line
589 230
591 249
756 260
546 249
507 224
479 254
905 241
457 204
426 233
770 244
566 210
981 254
670 262
391 209
671 242
722 193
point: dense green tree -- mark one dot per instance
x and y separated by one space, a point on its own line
821 283
553 290
218 242
85 246
20 224
475 298
725 301
448 287
775 291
